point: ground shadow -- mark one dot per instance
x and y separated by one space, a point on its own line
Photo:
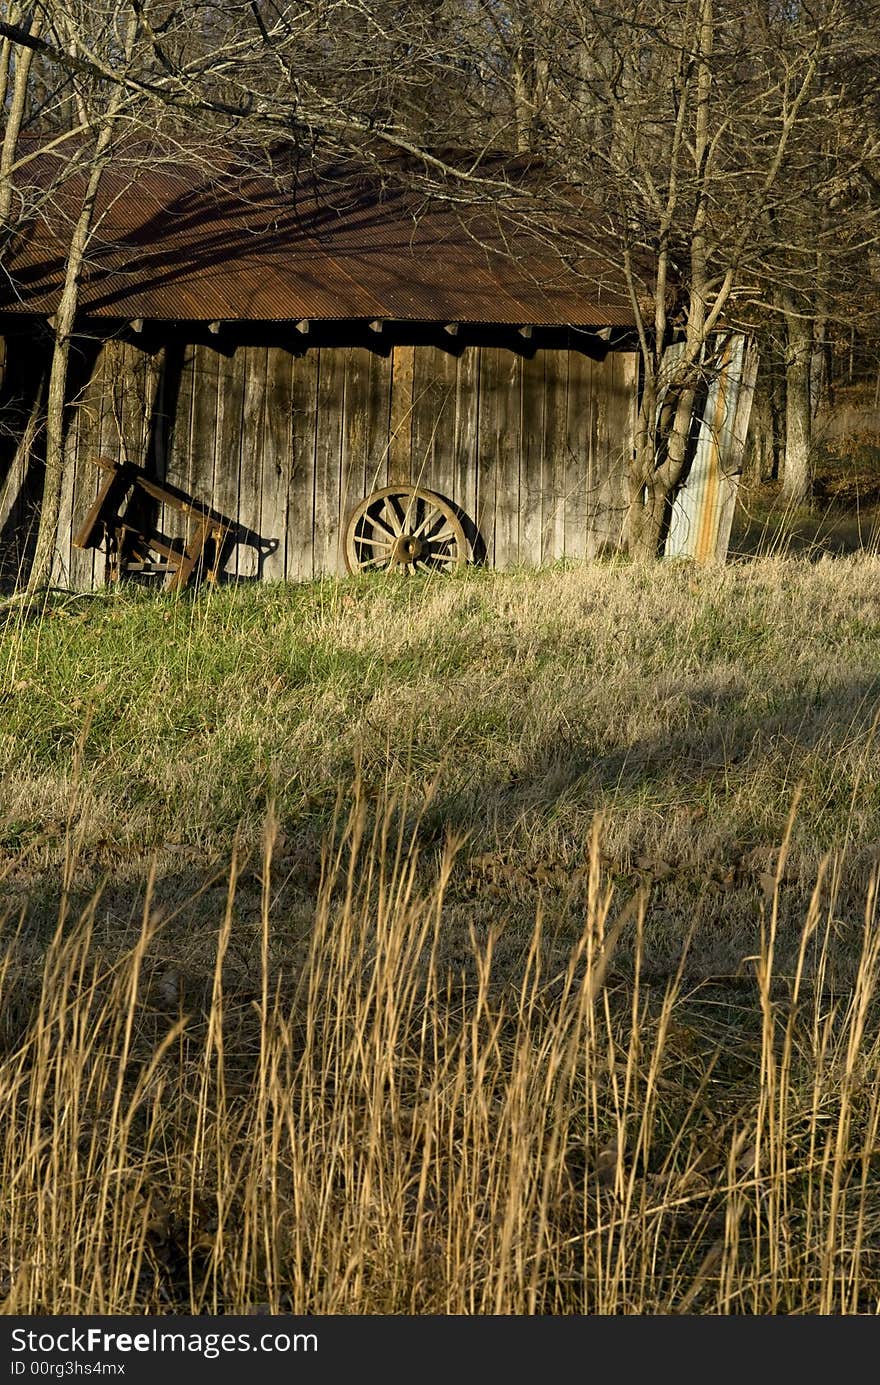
485 811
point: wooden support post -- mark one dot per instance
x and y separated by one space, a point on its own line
103 508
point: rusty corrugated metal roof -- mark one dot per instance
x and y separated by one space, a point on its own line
181 242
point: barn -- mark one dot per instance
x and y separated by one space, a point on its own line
285 345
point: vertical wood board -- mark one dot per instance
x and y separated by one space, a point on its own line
492 378
532 409
378 421
508 459
433 424
400 441
277 458
178 402
355 463
253 442
556 470
203 425
301 495
328 462
465 458
227 458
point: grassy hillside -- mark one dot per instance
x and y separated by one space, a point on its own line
500 943
684 708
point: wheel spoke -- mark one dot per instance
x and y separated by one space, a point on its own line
380 561
444 520
375 543
379 523
398 516
433 515
394 515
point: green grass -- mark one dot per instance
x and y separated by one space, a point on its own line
682 706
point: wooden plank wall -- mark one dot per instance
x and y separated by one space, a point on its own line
530 448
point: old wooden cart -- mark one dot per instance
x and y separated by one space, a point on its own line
119 521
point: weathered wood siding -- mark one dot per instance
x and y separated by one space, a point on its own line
530 447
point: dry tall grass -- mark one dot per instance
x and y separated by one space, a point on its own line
377 1131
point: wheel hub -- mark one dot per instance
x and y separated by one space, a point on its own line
407 549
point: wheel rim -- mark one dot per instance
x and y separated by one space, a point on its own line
404 529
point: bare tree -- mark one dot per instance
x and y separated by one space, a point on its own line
710 107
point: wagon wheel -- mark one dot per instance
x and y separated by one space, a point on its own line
404 529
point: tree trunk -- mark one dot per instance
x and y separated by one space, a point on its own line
797 471
14 116
759 460
821 381
640 469
645 529
647 491
56 399
777 411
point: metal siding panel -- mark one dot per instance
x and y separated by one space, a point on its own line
702 510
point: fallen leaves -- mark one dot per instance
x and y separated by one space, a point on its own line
498 876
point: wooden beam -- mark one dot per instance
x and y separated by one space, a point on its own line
302 326
604 333
377 324
137 324
110 494
451 328
526 331
214 327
